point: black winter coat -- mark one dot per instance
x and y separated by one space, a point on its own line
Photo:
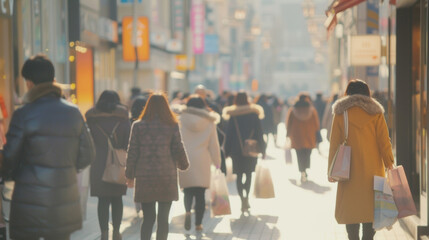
47 143
248 122
107 121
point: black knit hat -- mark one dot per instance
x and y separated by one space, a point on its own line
38 69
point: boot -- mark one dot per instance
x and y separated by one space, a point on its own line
104 235
117 235
188 221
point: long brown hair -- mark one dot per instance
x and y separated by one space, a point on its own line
157 109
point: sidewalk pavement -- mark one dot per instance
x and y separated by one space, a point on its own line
300 211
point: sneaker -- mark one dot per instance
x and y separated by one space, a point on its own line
188 221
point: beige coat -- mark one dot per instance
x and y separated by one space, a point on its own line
199 135
371 154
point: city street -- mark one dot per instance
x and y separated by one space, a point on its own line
300 210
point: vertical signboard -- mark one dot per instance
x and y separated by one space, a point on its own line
142 39
84 78
178 19
197 26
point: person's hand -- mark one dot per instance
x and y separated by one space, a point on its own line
331 179
264 156
130 183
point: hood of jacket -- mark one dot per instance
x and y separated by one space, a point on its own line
197 119
234 110
367 105
303 113
120 111
41 90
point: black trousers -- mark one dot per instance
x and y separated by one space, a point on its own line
103 212
353 231
200 202
303 156
149 213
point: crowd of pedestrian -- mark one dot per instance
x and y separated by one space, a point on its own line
172 145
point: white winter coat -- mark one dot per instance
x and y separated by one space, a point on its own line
199 135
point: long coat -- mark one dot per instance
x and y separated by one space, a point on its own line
248 119
371 153
302 124
155 152
98 121
47 143
199 135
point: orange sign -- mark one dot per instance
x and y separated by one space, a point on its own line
141 39
84 78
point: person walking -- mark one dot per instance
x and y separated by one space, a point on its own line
108 119
302 125
136 110
47 143
371 154
244 122
199 134
328 116
268 120
155 152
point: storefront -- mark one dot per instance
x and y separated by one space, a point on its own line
6 60
411 103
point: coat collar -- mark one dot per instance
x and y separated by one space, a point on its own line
41 90
211 116
120 111
234 110
370 105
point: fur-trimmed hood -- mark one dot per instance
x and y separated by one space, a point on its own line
197 119
41 90
303 113
370 105
242 110
120 111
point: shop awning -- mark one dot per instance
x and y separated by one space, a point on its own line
340 5
335 7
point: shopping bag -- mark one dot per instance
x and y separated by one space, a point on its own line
385 211
263 187
229 173
401 192
219 195
340 166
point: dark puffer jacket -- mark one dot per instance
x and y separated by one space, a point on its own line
47 143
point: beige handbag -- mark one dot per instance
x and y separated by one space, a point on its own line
114 172
340 166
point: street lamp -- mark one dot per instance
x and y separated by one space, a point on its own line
308 9
240 14
256 31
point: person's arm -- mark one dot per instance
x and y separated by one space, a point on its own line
178 150
13 148
86 148
383 141
214 147
133 152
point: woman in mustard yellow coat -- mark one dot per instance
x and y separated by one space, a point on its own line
371 154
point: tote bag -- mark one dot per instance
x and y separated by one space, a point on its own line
340 166
263 187
114 172
219 195
401 192
385 211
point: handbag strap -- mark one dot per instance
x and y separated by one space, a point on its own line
113 131
346 126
